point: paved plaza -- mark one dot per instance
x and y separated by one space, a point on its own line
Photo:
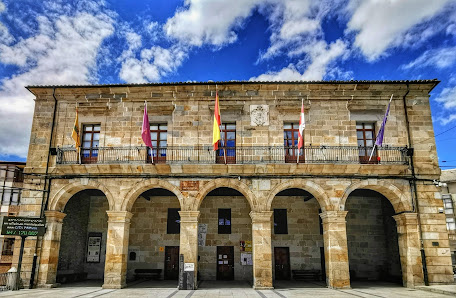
232 289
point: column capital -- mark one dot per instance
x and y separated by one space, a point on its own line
406 218
333 216
54 215
119 216
262 216
189 216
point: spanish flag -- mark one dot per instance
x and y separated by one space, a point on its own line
217 123
75 133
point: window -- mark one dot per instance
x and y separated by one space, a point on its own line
224 221
90 142
173 226
8 247
280 221
290 140
365 134
227 144
159 137
449 212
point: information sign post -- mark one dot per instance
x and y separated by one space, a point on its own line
24 227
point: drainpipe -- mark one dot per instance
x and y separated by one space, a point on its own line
47 187
414 191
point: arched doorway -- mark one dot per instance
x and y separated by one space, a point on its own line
153 250
297 237
372 238
83 239
225 237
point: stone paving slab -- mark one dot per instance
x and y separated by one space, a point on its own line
228 289
442 289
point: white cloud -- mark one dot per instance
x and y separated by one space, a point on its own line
319 57
380 25
439 58
209 21
63 51
448 97
152 64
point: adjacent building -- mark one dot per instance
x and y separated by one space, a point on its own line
448 185
257 209
11 179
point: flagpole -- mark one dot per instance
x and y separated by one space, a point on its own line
372 153
224 147
151 149
302 104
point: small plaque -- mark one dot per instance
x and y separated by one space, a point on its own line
189 185
161 248
189 266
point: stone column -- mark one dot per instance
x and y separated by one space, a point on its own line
189 238
409 249
336 250
50 248
115 274
262 249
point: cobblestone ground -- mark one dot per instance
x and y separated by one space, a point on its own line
223 289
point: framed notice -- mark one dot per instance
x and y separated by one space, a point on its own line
94 247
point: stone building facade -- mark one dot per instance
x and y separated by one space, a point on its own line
250 211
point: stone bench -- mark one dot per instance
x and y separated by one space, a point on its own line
65 277
148 273
306 274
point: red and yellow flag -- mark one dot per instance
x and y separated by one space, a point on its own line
217 123
75 133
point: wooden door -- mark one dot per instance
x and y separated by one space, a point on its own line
172 262
225 262
282 263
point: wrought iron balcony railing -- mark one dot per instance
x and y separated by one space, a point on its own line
233 155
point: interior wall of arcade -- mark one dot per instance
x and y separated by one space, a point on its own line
85 214
304 238
241 230
148 232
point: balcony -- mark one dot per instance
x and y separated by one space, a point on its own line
233 155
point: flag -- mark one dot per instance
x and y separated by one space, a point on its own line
145 132
75 132
379 140
217 123
302 125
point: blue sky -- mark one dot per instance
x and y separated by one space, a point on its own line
124 41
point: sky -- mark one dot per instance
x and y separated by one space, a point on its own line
124 41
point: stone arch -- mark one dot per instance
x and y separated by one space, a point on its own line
225 182
64 194
307 185
144 185
398 199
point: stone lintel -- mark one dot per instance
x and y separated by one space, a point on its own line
333 216
54 215
406 218
259 217
189 216
119 216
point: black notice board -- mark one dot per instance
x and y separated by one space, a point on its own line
23 226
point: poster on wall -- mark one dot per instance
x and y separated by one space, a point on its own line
248 246
202 231
94 247
246 259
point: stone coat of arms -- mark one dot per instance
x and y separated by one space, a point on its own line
259 115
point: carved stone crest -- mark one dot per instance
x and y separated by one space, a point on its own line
259 115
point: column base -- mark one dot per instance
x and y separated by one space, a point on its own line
48 286
112 286
263 288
